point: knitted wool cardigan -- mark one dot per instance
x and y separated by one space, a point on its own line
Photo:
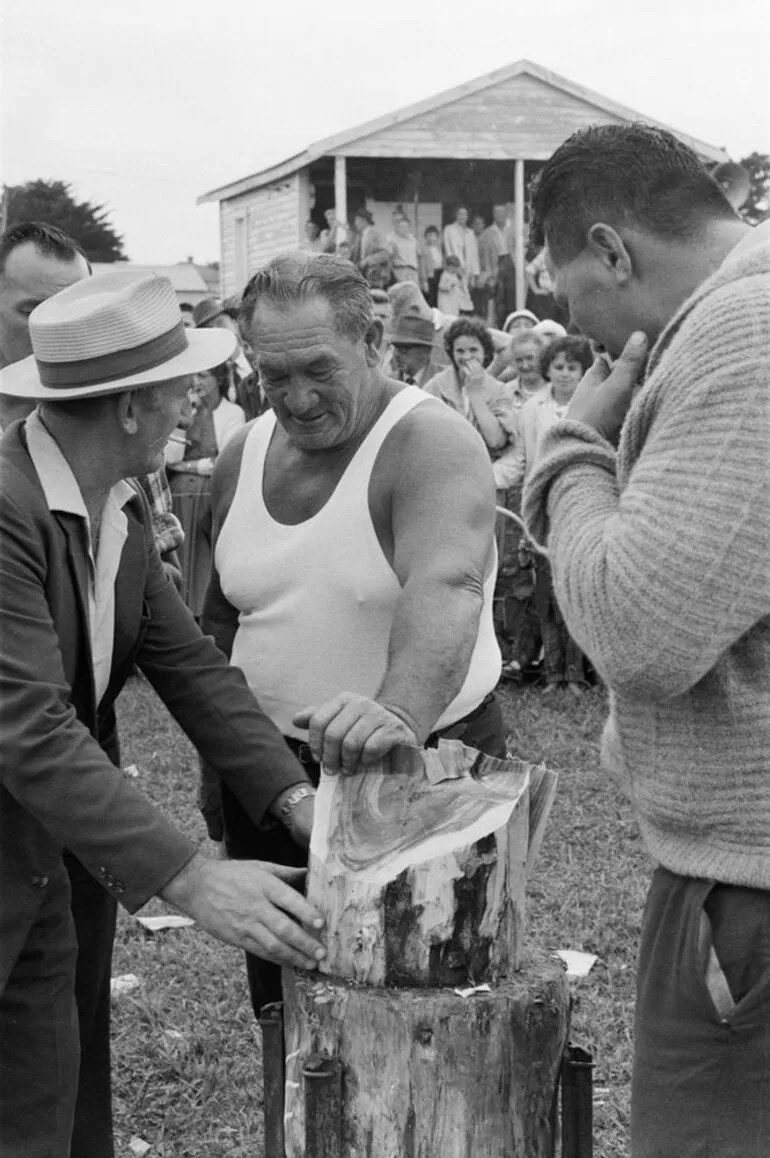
661 564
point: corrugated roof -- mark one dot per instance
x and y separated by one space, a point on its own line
343 143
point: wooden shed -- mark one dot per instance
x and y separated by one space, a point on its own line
478 144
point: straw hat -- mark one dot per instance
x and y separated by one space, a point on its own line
111 333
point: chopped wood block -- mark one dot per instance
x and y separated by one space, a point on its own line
427 1073
419 869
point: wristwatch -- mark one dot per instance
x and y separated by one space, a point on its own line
293 799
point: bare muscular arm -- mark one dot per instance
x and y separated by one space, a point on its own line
442 502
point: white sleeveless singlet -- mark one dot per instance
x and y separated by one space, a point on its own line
316 600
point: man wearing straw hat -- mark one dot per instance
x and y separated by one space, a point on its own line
83 598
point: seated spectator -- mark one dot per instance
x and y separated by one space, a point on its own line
411 340
468 389
433 256
190 457
453 295
562 364
382 307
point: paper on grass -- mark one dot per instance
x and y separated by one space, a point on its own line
165 921
124 983
578 964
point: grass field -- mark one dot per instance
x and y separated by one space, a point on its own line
186 1050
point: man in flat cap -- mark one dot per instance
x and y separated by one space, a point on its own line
83 597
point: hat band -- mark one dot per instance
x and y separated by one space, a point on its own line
116 364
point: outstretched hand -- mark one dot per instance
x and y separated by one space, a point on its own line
604 394
252 905
352 731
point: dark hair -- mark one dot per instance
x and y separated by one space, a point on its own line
47 239
231 307
431 229
469 328
622 174
575 349
295 277
380 296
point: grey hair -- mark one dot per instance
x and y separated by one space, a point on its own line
296 277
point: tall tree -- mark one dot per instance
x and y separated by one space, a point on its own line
756 207
53 202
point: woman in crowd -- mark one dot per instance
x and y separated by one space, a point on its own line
190 457
406 259
468 388
562 365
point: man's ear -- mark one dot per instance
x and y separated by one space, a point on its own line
606 244
126 411
373 341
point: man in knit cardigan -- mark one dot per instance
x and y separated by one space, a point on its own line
654 493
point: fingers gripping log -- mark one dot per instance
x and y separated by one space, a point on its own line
420 874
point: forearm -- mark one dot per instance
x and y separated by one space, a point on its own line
431 641
490 427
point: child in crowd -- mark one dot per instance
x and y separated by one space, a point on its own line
434 263
453 296
562 365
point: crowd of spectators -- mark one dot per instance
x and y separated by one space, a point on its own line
468 267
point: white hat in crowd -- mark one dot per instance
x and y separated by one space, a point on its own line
110 333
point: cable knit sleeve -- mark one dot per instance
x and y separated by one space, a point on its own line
663 563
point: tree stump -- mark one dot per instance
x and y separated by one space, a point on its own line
420 871
430 1074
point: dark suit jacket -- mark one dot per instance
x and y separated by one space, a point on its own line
59 787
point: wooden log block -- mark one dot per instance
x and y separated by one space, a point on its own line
420 870
428 1073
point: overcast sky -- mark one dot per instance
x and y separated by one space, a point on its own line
145 104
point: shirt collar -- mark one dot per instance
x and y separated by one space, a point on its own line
59 484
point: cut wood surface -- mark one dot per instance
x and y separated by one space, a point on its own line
419 869
430 1074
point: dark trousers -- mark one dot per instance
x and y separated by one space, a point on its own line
94 913
701 1082
482 729
562 658
38 1031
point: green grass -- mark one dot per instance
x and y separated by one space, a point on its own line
186 1050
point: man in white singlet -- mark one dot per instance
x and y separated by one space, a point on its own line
354 558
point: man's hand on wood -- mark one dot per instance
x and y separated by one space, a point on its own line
352 732
252 905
